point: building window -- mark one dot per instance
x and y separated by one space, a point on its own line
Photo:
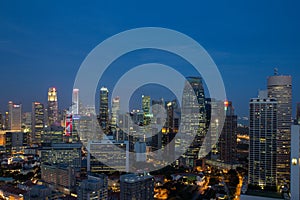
294 161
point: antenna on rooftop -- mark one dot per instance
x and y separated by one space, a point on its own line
276 71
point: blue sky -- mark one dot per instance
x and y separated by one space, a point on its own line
43 43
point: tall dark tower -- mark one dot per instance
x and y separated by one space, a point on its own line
193 104
52 106
262 147
227 141
146 109
38 122
280 88
103 110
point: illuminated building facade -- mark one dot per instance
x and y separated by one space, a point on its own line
52 110
103 112
75 99
107 151
139 187
193 118
14 116
146 109
59 177
38 122
280 88
68 154
115 111
95 187
262 132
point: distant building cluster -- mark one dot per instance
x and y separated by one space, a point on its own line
80 154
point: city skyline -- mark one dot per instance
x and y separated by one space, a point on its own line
41 42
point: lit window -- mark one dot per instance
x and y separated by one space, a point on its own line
294 161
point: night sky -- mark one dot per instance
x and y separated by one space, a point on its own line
43 43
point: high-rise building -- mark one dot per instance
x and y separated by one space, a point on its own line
38 123
75 104
139 187
262 132
146 109
95 187
59 177
52 106
280 88
107 156
115 111
15 141
62 154
295 162
6 121
103 112
193 118
14 116
227 141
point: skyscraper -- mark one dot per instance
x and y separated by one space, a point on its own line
146 109
262 132
52 106
227 141
280 88
193 118
38 123
75 104
14 116
115 111
103 110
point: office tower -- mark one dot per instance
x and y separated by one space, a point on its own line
280 88
115 112
6 124
53 134
139 187
298 114
59 177
94 187
52 106
103 112
75 102
295 162
38 122
227 141
107 155
88 128
262 132
146 109
26 121
193 119
62 154
15 141
14 116
215 127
